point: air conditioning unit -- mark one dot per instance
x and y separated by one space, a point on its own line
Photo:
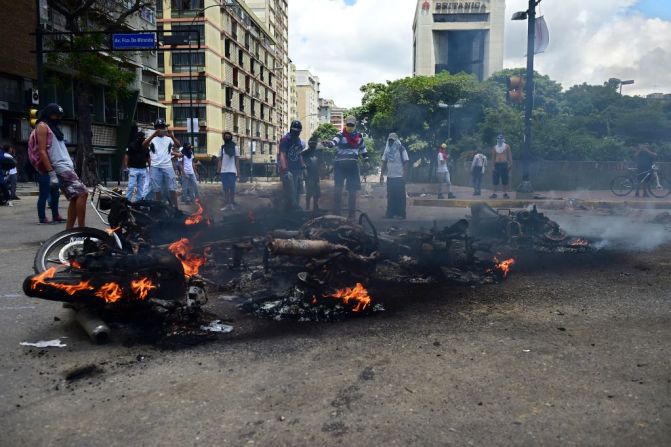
175 97
202 124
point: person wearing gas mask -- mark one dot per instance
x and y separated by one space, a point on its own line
163 146
229 169
291 164
56 162
503 163
349 145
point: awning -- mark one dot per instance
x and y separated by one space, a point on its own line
150 102
156 72
101 150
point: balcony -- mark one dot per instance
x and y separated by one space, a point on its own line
149 90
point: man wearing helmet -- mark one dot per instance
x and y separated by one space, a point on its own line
291 163
349 145
163 146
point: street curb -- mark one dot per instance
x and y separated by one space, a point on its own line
512 203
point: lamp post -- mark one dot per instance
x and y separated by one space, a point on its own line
457 105
526 189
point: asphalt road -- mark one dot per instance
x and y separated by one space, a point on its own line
569 351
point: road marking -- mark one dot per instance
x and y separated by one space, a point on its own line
17 307
10 295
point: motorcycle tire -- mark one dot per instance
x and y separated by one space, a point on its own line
68 239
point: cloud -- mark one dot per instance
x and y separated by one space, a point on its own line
371 41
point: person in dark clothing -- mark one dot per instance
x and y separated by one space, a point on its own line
645 158
312 157
136 160
7 163
291 164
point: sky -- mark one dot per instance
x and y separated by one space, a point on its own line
348 43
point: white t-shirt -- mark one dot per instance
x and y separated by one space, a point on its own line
395 156
228 163
442 162
13 170
187 164
161 152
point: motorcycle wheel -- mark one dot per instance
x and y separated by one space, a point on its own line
56 250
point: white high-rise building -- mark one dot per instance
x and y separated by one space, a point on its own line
458 36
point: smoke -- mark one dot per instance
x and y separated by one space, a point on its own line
619 233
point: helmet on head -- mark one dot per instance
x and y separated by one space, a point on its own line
160 124
296 126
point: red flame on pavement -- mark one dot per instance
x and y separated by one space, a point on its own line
191 262
196 217
358 296
142 287
504 266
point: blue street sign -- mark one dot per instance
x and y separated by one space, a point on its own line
128 41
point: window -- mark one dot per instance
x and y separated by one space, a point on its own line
227 48
180 61
235 76
192 32
234 30
181 87
160 58
161 89
247 40
241 58
241 103
199 141
229 96
247 83
181 114
187 4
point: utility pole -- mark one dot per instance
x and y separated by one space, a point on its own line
525 187
38 53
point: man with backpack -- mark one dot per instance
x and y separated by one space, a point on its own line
49 154
163 146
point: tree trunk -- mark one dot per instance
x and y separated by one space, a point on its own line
85 158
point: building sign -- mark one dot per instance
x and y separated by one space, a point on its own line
461 7
134 41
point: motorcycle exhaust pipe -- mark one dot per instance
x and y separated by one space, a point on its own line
93 325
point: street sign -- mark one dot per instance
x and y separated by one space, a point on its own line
128 41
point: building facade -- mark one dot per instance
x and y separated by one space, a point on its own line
230 79
307 89
293 94
463 36
331 114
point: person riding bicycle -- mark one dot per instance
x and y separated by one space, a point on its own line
645 158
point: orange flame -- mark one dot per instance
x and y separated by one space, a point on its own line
70 289
75 264
142 287
358 295
110 292
196 217
504 266
111 231
191 263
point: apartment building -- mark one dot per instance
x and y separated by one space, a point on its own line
330 113
293 94
231 79
307 89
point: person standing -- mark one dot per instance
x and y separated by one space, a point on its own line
189 179
349 145
13 173
645 158
312 158
395 162
7 163
443 172
478 167
163 146
291 164
136 160
503 163
56 162
229 169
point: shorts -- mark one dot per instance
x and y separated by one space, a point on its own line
228 181
500 173
163 178
312 188
347 170
444 177
71 186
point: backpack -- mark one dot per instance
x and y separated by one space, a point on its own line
33 151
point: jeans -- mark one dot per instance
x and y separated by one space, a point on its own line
12 185
163 180
189 187
136 179
292 188
396 197
47 193
477 180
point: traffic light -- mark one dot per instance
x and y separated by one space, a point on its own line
515 89
33 117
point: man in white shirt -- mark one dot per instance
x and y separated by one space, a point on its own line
189 178
443 172
163 146
478 167
229 169
395 166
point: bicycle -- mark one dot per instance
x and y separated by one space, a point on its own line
649 181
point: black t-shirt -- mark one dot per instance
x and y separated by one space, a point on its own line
644 160
137 155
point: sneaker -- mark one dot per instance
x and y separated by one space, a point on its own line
506 196
493 196
451 196
10 203
44 221
16 198
59 219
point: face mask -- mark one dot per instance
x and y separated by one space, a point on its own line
227 138
162 132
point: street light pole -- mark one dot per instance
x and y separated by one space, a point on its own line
38 52
525 187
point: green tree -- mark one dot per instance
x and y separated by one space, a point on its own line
325 132
92 68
